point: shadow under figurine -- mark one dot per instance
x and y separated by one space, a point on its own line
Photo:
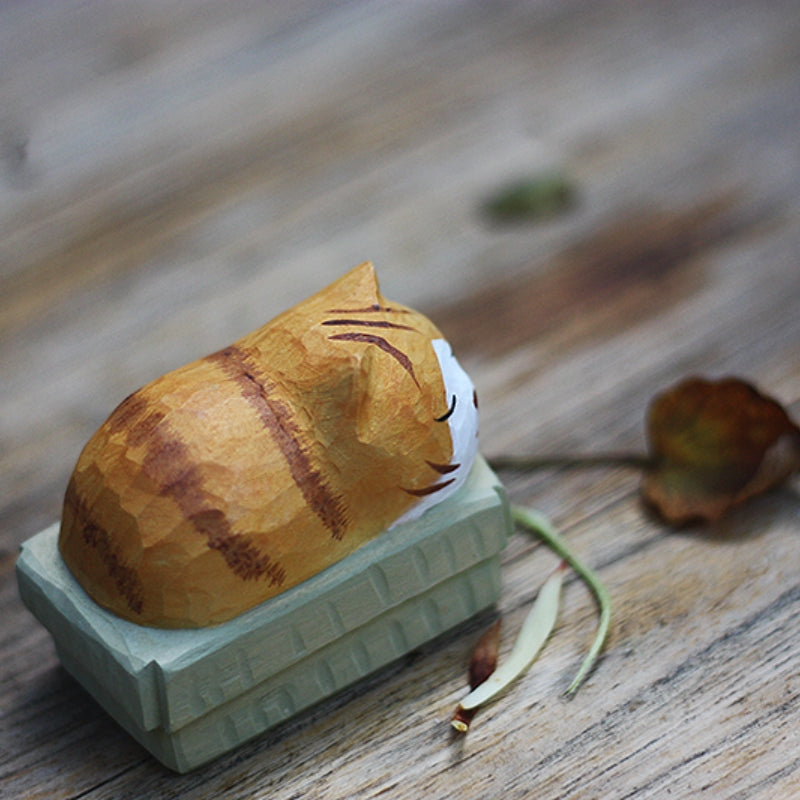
286 515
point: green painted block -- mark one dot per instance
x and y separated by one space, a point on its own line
189 696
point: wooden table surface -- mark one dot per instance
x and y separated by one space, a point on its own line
174 174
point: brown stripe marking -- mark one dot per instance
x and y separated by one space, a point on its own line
241 555
443 469
168 464
373 309
125 579
369 323
129 410
135 419
436 487
277 418
144 428
379 341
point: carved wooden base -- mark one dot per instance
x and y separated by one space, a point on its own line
189 696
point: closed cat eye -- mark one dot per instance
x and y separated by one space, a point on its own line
448 413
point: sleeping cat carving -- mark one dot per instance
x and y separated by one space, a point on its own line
236 477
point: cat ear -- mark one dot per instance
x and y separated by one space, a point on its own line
355 290
353 293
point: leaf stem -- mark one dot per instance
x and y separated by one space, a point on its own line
538 524
530 463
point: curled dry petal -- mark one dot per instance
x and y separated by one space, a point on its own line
484 657
715 444
481 665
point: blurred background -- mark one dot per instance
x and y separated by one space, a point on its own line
592 199
174 174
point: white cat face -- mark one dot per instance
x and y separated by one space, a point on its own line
462 418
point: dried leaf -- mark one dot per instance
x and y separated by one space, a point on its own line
481 665
714 444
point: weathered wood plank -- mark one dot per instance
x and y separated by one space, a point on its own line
172 175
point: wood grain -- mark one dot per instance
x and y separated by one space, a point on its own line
172 175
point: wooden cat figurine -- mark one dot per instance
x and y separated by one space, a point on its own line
236 477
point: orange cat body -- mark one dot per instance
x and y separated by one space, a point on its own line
238 476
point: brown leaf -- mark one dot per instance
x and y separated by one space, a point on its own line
715 444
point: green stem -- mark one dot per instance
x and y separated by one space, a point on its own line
539 525
528 464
